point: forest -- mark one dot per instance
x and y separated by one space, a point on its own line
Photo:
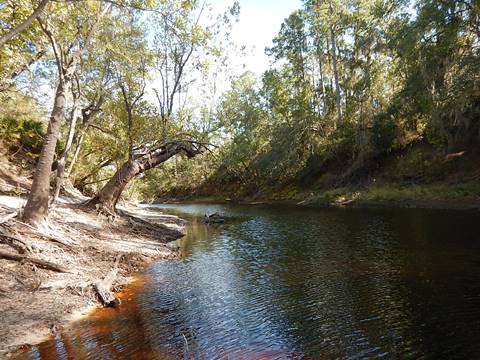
98 95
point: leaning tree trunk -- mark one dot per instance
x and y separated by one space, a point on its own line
36 209
107 198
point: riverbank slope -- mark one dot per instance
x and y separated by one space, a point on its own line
418 175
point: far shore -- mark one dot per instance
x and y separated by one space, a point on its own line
344 198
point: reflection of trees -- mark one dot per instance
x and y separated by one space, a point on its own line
440 281
199 236
344 297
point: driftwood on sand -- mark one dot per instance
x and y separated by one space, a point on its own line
102 287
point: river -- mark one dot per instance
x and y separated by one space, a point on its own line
284 282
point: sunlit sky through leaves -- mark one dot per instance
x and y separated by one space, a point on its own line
259 23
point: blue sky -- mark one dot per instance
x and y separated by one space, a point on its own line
259 23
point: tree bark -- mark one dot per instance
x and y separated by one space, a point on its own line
88 114
63 159
107 198
322 81
78 141
36 209
24 24
338 99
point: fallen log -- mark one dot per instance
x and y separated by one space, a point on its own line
103 287
39 262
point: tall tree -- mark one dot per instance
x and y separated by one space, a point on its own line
178 35
69 32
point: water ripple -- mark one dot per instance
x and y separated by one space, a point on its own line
289 283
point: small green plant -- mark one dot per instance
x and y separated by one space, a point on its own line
25 134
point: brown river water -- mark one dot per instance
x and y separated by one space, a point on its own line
281 282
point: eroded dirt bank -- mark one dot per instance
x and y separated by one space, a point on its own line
37 300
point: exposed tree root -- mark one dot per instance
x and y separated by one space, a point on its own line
41 263
11 241
45 232
138 222
8 217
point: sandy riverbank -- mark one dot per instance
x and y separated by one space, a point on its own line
35 302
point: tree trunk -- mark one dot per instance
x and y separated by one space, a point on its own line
36 209
333 40
322 81
338 98
108 196
63 159
88 114
78 146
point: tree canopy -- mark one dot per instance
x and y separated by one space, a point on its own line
135 83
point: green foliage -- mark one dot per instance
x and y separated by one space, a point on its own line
23 134
402 77
20 124
16 54
384 132
350 81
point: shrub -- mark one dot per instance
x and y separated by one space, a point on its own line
384 132
25 134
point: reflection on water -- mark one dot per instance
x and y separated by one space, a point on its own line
284 282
